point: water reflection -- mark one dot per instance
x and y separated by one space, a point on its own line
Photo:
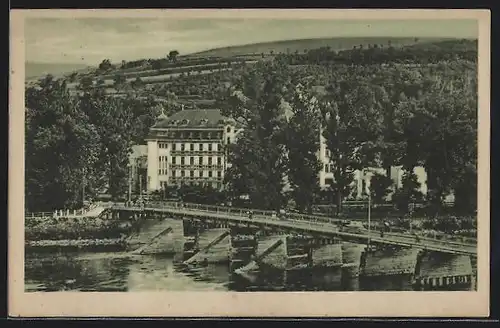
124 272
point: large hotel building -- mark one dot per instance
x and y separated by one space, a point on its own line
189 148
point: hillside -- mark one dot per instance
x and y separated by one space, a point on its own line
34 69
307 44
196 80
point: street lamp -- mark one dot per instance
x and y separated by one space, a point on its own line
83 187
130 183
367 190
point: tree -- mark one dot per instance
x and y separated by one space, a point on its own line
105 65
351 127
119 81
61 148
73 76
409 193
444 124
172 55
466 191
380 187
303 144
86 83
258 159
114 120
137 83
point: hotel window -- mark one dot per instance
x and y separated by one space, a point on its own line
191 173
200 147
191 147
210 161
209 147
182 160
182 147
209 174
228 140
219 160
228 129
324 167
191 160
219 174
173 159
183 173
200 160
173 173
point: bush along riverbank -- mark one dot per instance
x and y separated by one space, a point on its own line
78 233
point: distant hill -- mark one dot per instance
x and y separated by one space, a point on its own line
306 44
33 69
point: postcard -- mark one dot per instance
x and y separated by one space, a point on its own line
243 163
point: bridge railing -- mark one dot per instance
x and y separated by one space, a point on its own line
447 241
39 215
305 217
311 219
80 213
244 211
212 208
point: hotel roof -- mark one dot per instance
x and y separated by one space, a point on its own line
193 118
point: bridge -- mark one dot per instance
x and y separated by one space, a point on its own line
218 234
318 227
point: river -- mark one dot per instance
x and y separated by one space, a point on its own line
111 272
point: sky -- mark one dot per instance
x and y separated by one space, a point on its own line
90 40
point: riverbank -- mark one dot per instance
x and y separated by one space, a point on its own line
76 228
91 245
90 233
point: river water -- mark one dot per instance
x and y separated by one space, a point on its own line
111 272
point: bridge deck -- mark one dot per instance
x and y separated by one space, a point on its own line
320 228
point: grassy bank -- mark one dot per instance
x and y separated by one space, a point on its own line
59 229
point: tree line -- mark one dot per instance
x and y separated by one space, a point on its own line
78 145
425 53
370 116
